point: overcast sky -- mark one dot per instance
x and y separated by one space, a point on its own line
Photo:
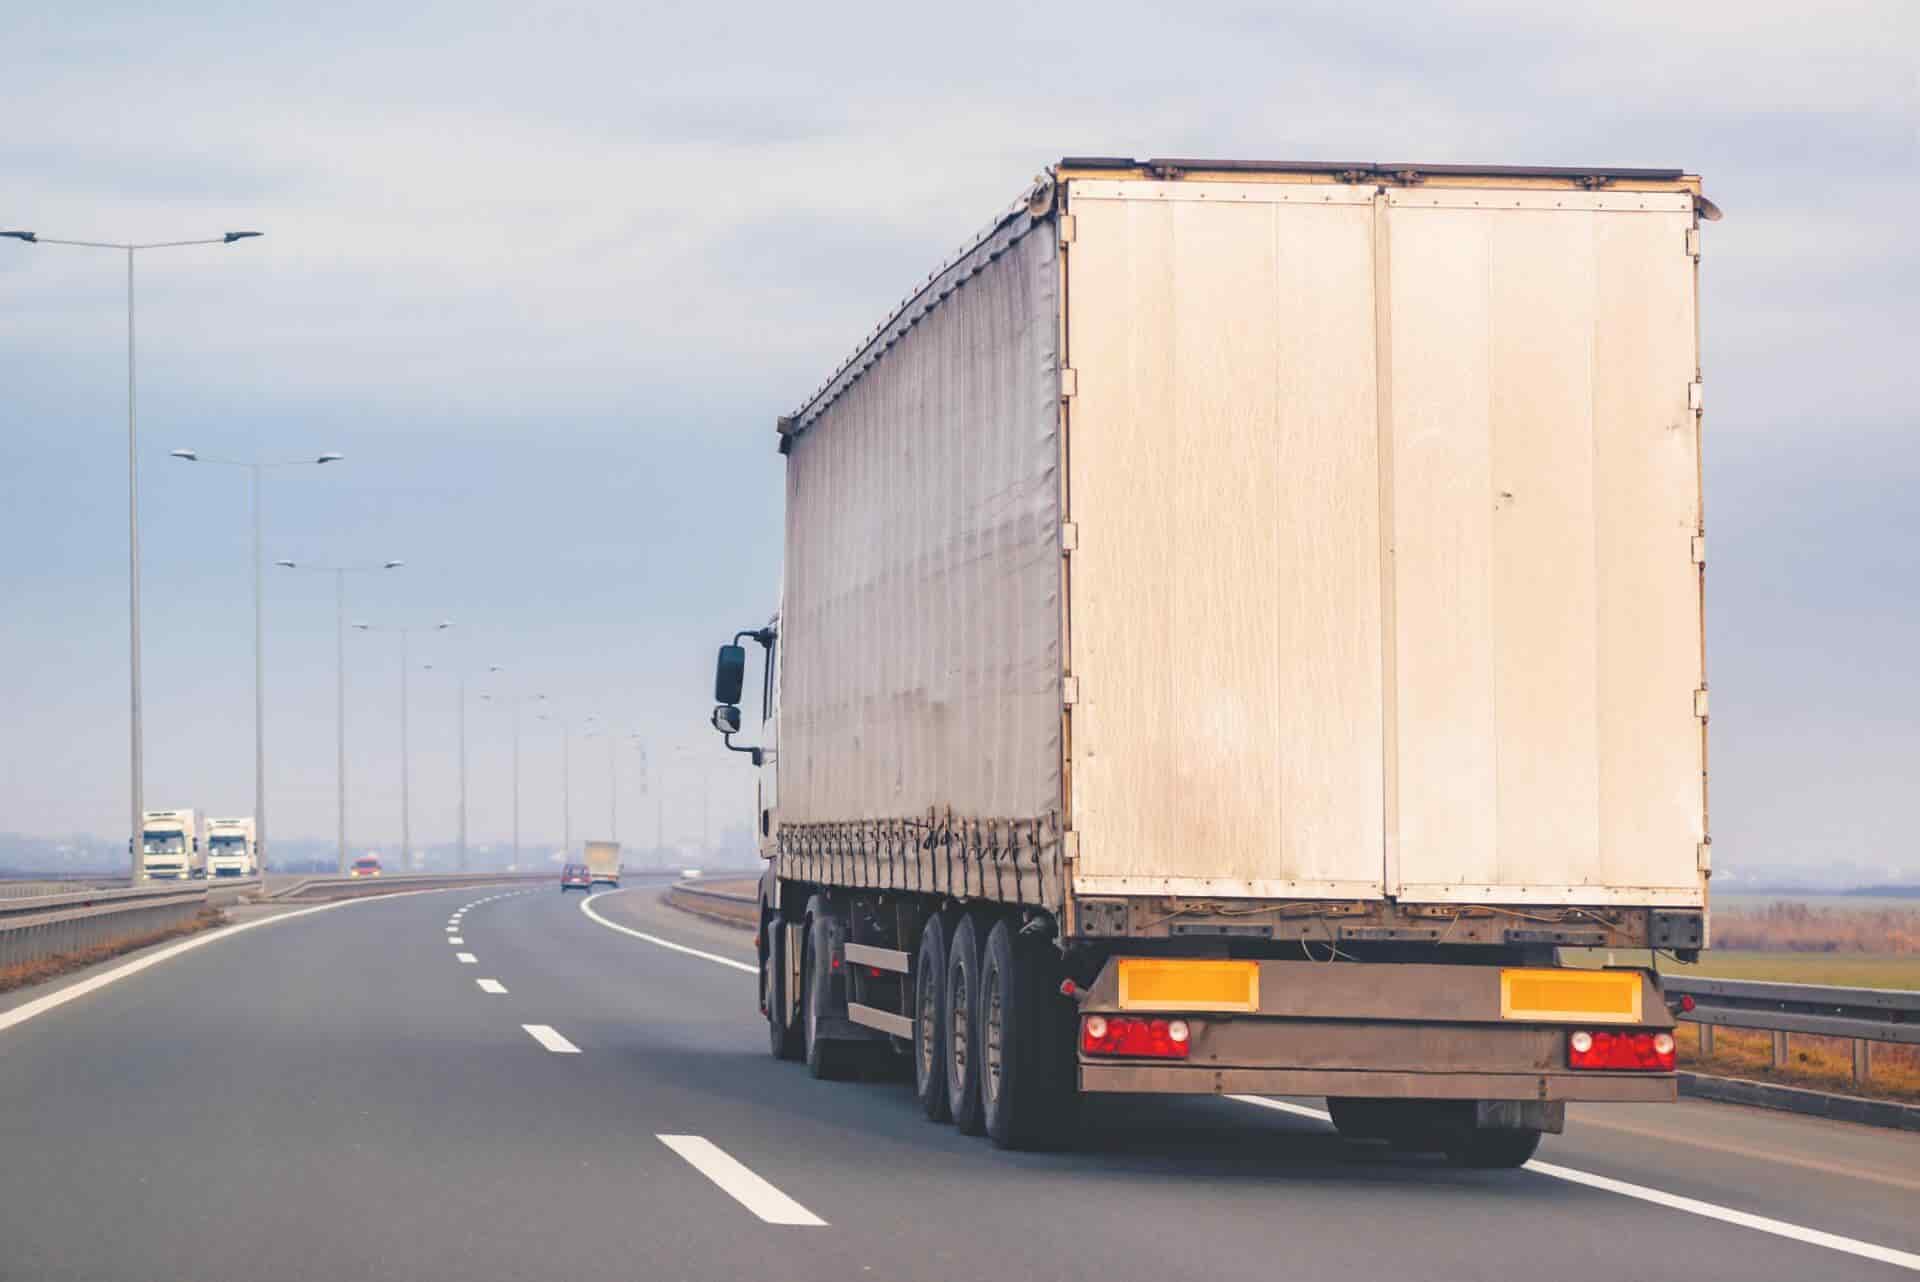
546 273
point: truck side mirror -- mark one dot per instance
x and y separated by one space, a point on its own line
726 719
728 676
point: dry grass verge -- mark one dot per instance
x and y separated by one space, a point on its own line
38 972
1816 1063
1824 928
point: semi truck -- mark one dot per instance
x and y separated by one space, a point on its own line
231 848
1240 632
170 846
603 862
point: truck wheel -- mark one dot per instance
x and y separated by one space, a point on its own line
930 1022
1027 1092
826 1060
1492 1150
962 1011
783 1039
1372 1119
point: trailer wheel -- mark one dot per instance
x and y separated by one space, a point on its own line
783 1039
1492 1150
1026 1084
930 1022
826 1059
962 1017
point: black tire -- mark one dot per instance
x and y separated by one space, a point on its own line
1371 1119
1493 1150
783 1039
930 1022
1027 1088
962 1017
826 1059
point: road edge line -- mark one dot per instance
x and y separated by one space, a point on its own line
52 1001
586 906
1672 1201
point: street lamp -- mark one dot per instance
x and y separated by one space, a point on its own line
566 781
516 700
406 829
257 496
137 766
613 789
460 676
340 573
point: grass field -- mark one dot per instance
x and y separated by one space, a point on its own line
1852 970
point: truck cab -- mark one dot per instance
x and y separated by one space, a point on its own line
170 845
232 849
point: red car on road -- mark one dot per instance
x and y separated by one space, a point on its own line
576 875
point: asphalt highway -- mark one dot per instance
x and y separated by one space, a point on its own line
508 1083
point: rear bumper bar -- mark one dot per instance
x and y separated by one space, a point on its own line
1189 1079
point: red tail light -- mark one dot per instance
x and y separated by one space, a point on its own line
1630 1052
1126 1035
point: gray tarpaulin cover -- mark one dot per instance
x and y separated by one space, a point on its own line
921 624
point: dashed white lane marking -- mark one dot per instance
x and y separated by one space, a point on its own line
1673 1201
544 1034
455 939
466 959
746 1188
586 906
491 986
453 930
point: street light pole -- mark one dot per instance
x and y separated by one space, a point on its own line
340 573
406 816
566 781
256 491
136 767
460 680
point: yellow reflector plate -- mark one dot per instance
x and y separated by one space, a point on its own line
1583 996
1153 983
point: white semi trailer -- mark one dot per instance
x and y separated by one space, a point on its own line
231 848
170 845
1239 622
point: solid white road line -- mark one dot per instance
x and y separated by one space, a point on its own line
491 986
586 906
1726 1214
746 1188
1673 1201
466 959
545 1035
41 1005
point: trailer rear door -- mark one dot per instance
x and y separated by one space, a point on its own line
1546 633
1224 620
1385 572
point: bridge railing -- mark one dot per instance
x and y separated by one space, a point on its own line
1864 1015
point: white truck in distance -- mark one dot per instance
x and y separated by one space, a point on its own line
231 848
170 847
1240 621
603 862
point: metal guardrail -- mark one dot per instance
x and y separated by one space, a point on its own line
39 928
336 887
33 889
723 905
1863 1015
